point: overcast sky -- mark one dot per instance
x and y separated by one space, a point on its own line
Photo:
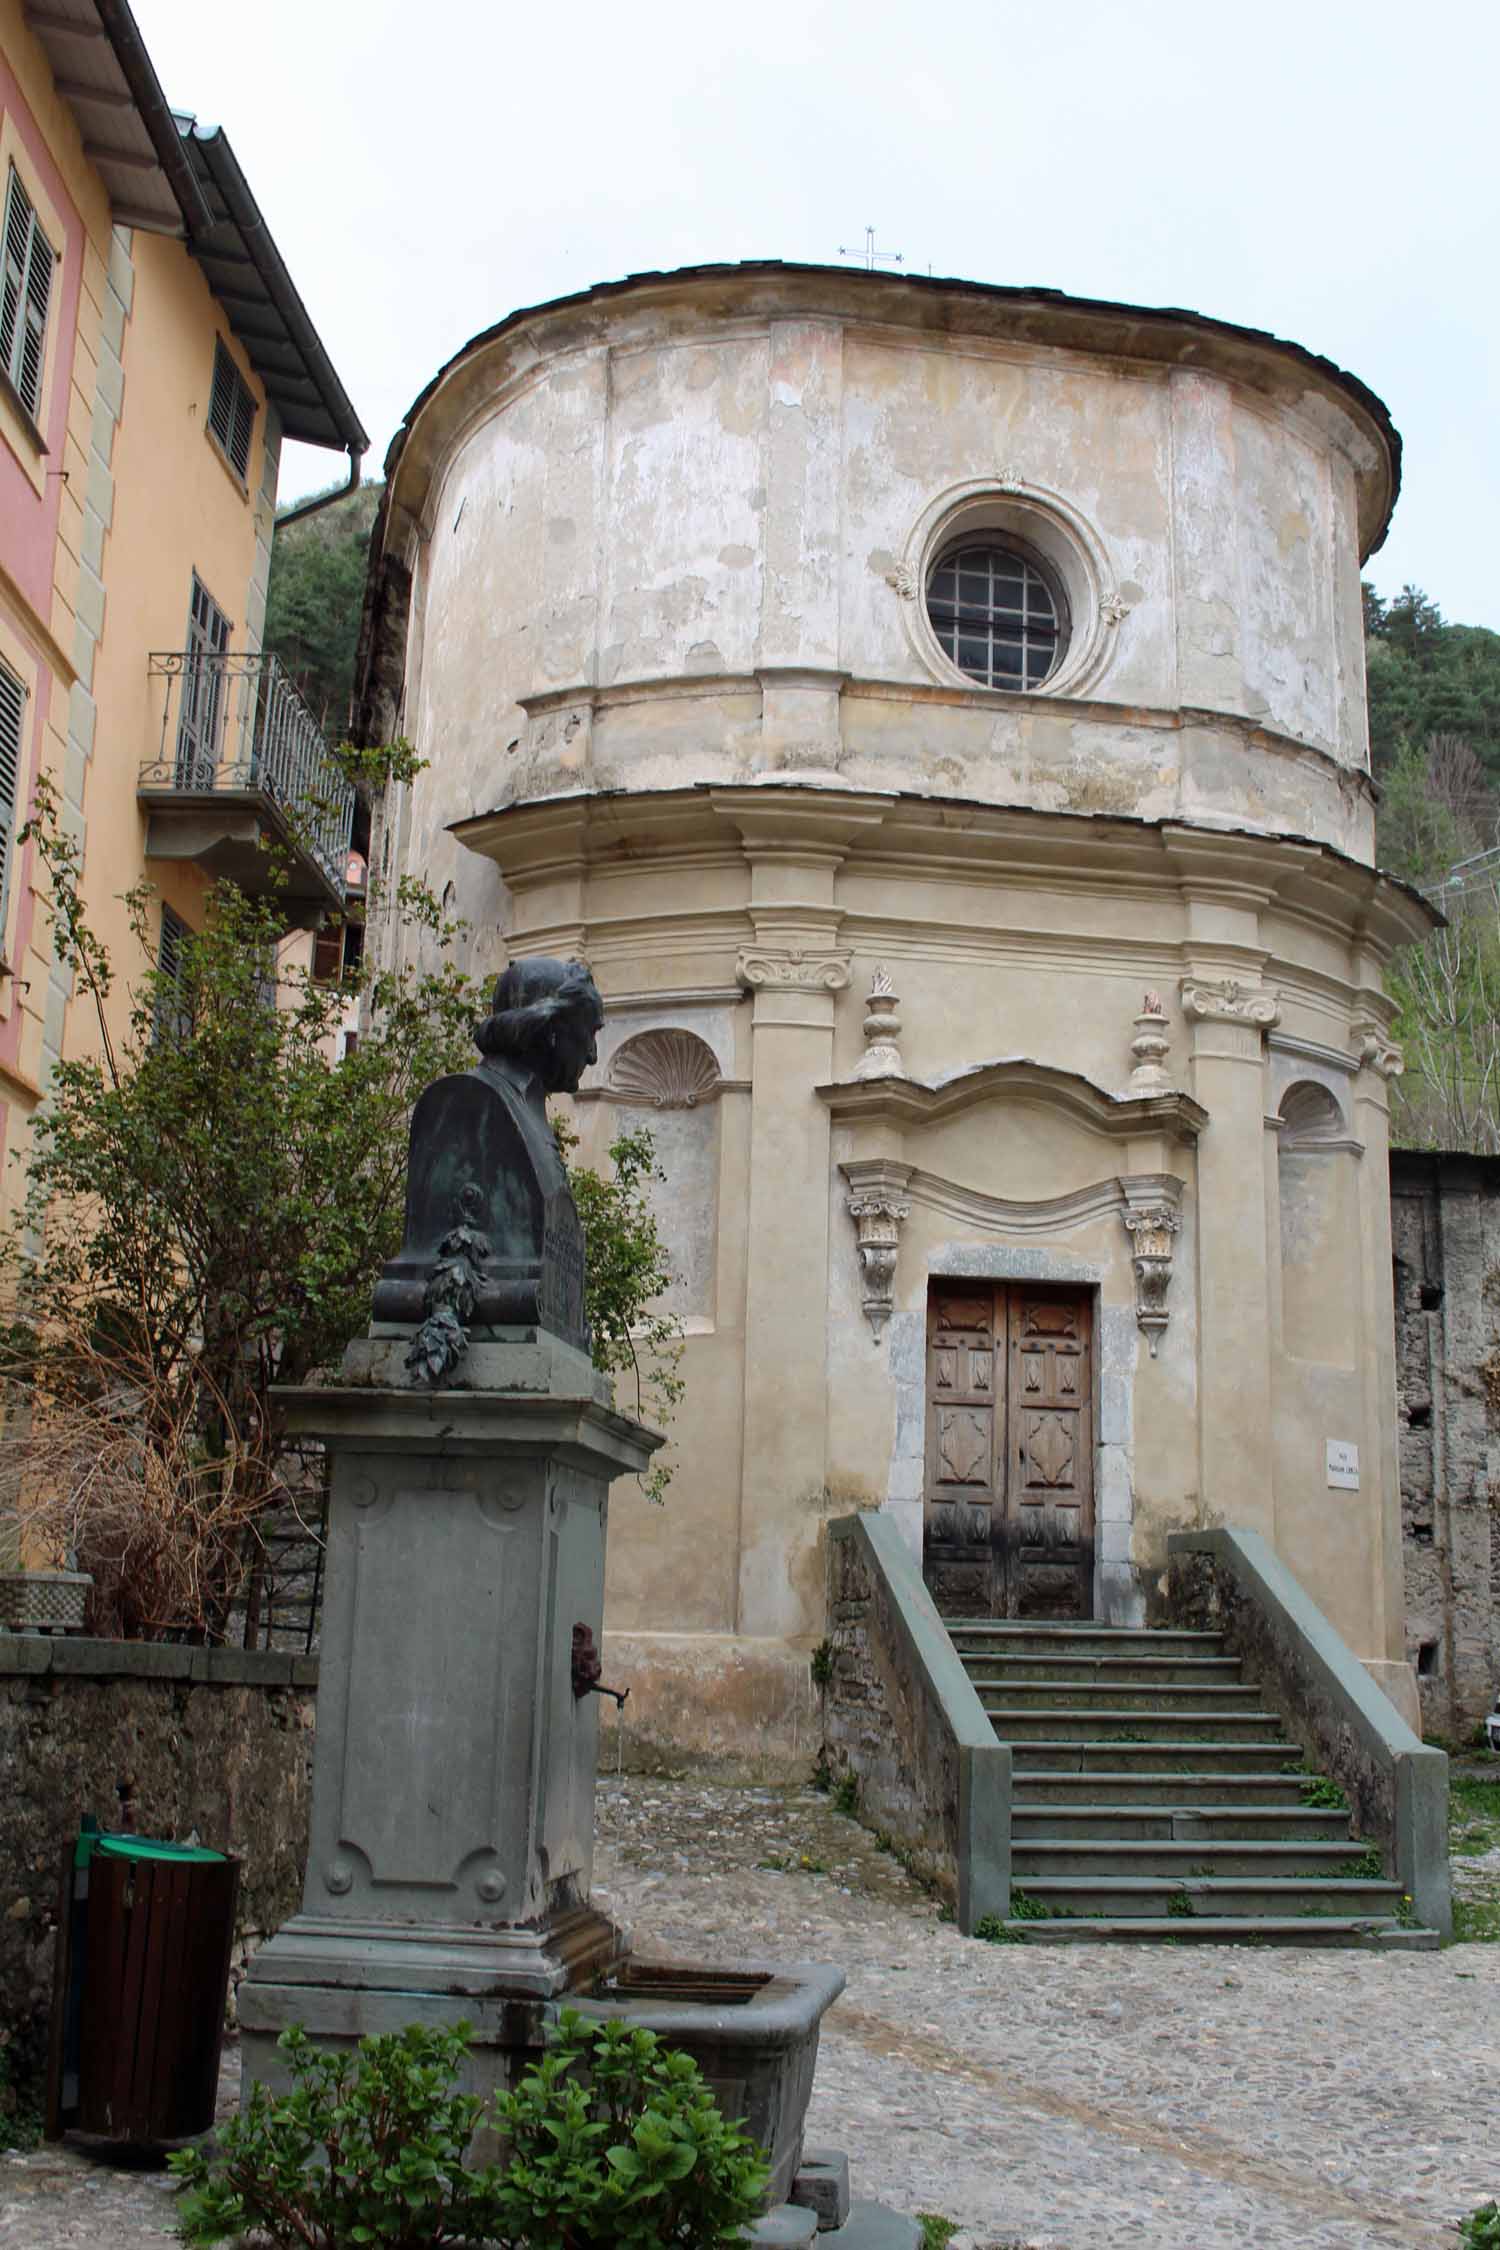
1325 168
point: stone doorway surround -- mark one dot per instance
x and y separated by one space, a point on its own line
1130 1232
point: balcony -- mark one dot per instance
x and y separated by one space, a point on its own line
243 784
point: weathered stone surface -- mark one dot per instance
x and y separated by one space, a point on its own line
734 760
787 2227
230 1757
1445 1236
1045 2098
903 1725
822 2184
1231 1582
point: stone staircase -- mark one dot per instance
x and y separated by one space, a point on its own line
1155 1798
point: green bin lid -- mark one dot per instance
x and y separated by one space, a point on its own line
139 1847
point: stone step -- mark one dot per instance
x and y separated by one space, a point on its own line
1112 1699
1080 1859
1120 1896
1110 1727
1141 1824
1036 1784
987 1666
869 2226
1020 1638
1227 1929
1159 1755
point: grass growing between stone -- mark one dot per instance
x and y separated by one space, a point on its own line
1474 1834
1473 1814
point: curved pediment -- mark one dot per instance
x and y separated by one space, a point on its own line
1013 1078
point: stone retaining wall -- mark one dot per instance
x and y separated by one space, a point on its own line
902 1722
217 1740
1445 1236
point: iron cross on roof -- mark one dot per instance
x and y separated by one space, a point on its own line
872 257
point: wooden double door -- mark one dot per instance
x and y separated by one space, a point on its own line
1008 1520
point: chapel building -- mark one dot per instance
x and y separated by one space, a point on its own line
937 714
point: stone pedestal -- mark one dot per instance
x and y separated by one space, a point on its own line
453 1783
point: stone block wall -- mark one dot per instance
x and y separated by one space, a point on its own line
1445 1238
873 1723
217 1740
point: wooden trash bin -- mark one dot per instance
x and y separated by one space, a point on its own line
143 1950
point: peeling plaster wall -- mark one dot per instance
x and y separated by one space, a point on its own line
630 545
668 658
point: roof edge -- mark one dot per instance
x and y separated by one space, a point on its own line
1358 395
229 177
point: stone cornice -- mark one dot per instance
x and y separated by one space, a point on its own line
912 1101
950 840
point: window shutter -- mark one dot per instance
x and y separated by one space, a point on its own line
19 218
25 293
231 411
12 714
38 296
169 974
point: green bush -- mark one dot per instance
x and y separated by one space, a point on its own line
1481 2229
612 2138
394 2133
615 2140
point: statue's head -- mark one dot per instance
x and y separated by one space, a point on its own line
546 1015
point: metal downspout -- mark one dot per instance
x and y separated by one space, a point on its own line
323 499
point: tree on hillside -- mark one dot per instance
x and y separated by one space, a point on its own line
1427 677
1439 818
314 601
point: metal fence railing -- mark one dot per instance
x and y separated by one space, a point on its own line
239 722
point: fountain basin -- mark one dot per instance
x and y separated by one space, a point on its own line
751 2027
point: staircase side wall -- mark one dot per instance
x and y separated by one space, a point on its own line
1229 1581
902 1720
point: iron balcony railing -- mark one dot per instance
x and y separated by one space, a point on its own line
238 722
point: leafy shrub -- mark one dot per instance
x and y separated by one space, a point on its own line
394 2133
613 2139
1481 2229
846 1795
995 1930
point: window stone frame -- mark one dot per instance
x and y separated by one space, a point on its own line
1064 543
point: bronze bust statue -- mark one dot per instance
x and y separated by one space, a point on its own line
492 1240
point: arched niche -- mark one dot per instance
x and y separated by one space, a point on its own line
667 1080
1314 1152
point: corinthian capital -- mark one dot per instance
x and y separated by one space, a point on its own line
793 970
1226 1000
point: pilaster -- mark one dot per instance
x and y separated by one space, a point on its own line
1228 1020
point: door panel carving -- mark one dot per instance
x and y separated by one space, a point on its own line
1009 1526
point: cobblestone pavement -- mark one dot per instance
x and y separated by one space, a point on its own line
1067 2098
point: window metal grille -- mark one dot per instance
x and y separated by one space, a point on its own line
12 713
995 614
25 293
231 412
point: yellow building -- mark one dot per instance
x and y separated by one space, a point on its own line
155 354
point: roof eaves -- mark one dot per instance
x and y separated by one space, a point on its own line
265 282
156 111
